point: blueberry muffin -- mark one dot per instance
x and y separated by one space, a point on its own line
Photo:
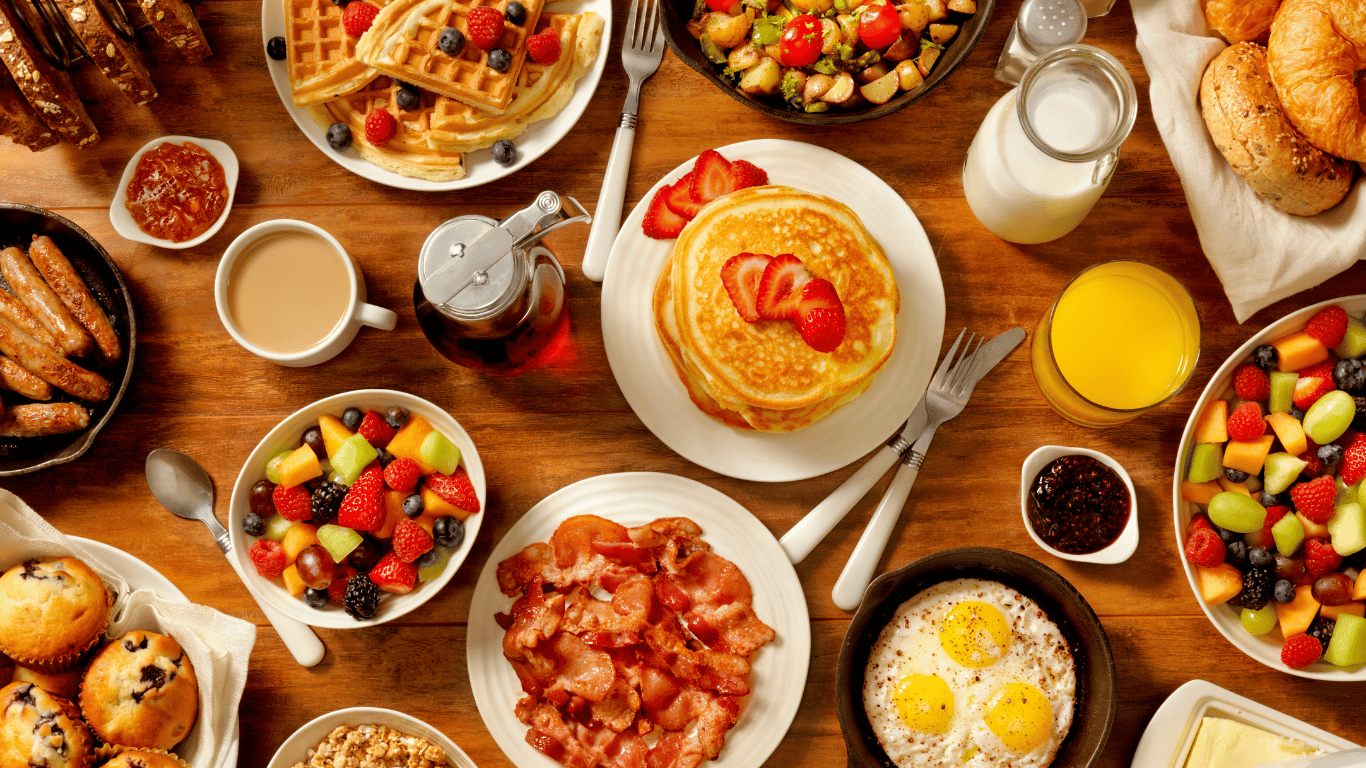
65 684
37 728
140 759
52 610
140 692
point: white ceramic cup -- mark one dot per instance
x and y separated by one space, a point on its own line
357 314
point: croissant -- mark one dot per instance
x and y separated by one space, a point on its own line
1316 49
1240 21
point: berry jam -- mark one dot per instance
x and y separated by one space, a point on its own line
177 192
1078 505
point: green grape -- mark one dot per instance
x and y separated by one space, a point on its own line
1236 512
1329 417
1261 621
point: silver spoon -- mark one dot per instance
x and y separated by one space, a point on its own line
183 487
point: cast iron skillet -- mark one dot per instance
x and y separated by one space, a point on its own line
1095 703
18 224
678 12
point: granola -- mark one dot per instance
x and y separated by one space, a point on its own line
373 746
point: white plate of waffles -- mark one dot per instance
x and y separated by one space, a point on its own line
778 675
479 165
648 379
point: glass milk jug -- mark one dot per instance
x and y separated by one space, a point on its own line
1047 149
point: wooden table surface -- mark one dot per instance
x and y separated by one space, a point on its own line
197 391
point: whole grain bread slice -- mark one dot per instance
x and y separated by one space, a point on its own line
46 88
116 58
175 21
18 120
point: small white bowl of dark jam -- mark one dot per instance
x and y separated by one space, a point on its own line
1087 512
169 229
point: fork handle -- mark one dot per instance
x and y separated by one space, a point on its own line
607 214
858 572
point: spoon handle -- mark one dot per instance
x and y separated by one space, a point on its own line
305 646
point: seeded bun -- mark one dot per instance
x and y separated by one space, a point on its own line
1249 127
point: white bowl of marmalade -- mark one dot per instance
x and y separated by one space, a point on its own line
1079 505
176 192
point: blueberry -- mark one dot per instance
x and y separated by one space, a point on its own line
1265 357
1285 591
499 60
1234 475
448 532
1297 413
1235 554
1260 558
413 506
397 417
1350 375
515 12
276 48
351 418
504 152
338 136
253 525
316 598
408 96
1225 535
1330 454
385 458
425 559
451 42
341 3
1274 499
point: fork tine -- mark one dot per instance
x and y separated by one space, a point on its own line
656 24
631 23
944 366
966 368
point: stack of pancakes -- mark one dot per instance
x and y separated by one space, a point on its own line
762 375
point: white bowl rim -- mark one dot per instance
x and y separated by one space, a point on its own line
289 752
123 221
394 606
1224 620
1123 547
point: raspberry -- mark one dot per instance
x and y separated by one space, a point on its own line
1251 383
1315 499
410 541
1199 520
544 48
380 126
1320 558
483 26
401 475
358 17
455 488
1273 514
1246 423
1328 326
1300 651
363 507
293 503
1353 467
374 428
268 557
1204 548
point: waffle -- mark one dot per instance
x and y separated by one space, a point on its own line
407 153
116 59
322 57
402 44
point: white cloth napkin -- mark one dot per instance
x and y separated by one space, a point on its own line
1260 253
218 645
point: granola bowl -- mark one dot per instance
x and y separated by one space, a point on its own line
317 742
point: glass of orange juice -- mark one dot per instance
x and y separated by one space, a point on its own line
1122 337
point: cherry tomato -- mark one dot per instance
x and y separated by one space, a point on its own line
878 25
800 44
721 6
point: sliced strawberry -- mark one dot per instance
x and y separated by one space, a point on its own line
661 223
710 177
741 275
780 290
1309 389
680 199
820 316
743 174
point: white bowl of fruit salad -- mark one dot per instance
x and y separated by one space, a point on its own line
357 509
1268 518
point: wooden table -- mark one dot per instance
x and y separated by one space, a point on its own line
197 391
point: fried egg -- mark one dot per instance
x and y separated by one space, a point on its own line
970 673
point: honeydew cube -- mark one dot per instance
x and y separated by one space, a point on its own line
1288 533
334 432
1347 527
1346 493
1199 493
353 455
1281 470
1248 456
1298 351
338 540
1353 343
443 557
438 452
1213 424
1219 584
1289 431
1348 646
1334 611
276 526
298 536
1282 397
299 467
1207 462
1296 615
293 581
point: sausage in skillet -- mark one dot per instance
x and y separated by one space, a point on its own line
14 309
17 378
75 294
39 419
31 289
51 367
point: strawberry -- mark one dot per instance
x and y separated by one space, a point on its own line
710 177
1273 514
1204 548
1246 423
780 290
1309 389
269 558
375 429
410 540
293 503
1251 383
455 488
402 475
661 223
1198 520
1314 467
1320 558
742 275
358 17
483 26
743 174
544 48
820 316
1315 499
1328 326
336 591
680 199
1320 370
1301 651
1353 466
362 509
393 575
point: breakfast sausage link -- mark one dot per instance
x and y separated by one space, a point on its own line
31 289
14 309
75 294
17 378
38 419
51 367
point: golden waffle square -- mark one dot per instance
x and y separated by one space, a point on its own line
321 56
407 153
402 44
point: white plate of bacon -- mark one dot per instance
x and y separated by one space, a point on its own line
576 650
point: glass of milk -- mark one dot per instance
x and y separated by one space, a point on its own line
1047 149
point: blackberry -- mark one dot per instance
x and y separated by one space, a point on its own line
1235 554
1285 591
1265 357
1350 375
1259 584
326 501
1359 420
1235 475
1322 629
1330 454
362 597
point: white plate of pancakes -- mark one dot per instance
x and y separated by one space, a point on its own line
480 167
647 377
778 673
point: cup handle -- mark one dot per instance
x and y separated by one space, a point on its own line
376 317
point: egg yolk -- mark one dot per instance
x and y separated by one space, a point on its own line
1020 715
924 703
975 634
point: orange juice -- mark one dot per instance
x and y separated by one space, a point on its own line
1123 337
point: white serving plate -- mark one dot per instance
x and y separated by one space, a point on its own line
647 377
118 209
295 749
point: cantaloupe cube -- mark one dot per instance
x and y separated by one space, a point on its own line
334 432
293 582
436 506
1229 485
1299 350
1248 456
1213 424
300 466
1333 611
298 536
1219 584
1313 530
1289 431
1296 615
1199 493
393 512
407 442
1359 588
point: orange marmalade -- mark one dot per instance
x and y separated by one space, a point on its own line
177 192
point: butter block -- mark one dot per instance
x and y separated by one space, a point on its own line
1225 743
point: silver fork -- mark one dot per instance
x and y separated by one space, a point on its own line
949 390
641 51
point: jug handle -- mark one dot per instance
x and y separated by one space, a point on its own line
569 212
